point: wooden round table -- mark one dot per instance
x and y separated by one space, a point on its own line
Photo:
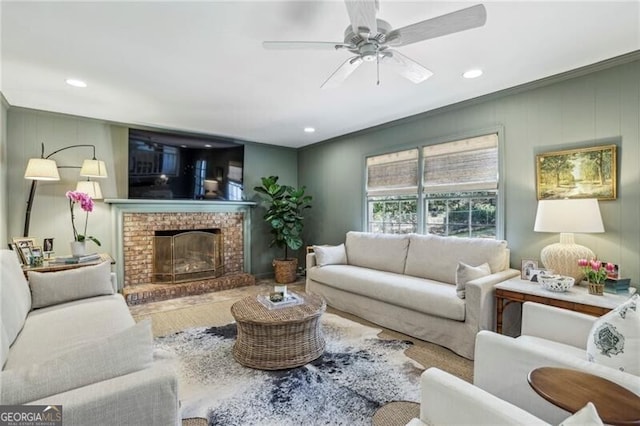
572 389
278 338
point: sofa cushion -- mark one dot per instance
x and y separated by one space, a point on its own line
116 355
614 339
383 252
436 258
429 297
15 301
50 288
466 273
330 255
61 327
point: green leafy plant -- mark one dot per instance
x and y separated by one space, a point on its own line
284 213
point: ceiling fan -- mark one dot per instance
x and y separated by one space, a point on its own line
371 39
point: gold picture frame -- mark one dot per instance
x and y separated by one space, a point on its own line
577 173
24 246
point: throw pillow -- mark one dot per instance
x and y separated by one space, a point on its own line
587 415
330 255
466 273
51 288
614 339
122 353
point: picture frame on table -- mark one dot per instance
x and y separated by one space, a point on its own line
24 246
589 172
526 267
13 247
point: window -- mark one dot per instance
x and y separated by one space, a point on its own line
457 195
392 192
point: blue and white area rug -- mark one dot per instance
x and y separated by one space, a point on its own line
357 374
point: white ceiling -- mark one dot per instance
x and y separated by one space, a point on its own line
200 66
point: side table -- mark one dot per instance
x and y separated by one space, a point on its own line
577 298
61 267
572 389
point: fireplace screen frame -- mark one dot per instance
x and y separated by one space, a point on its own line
182 256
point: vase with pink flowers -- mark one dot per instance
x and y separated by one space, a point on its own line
78 245
595 273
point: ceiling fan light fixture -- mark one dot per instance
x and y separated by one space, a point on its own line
474 73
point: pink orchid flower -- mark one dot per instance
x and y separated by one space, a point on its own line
86 204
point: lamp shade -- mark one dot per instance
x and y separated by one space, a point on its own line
90 188
93 169
570 215
41 169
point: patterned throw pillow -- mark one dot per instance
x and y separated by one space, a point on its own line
614 339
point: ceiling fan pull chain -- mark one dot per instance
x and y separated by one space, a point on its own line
378 69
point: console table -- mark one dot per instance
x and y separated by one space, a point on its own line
572 389
577 298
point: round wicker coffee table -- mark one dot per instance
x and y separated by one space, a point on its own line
279 338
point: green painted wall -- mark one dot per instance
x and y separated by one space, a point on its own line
266 160
579 110
26 129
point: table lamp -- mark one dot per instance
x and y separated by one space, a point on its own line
566 217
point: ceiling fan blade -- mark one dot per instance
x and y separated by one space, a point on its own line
308 45
342 72
362 14
408 68
465 19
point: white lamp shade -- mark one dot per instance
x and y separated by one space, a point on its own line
93 169
90 188
211 185
569 216
41 169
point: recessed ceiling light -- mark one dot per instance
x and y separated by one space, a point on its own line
472 73
309 130
75 82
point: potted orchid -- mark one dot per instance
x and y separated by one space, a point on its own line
595 272
86 204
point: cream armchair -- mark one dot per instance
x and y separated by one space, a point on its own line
448 400
551 337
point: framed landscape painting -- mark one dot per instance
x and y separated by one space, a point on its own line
577 173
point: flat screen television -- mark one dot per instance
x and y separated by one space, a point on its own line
173 166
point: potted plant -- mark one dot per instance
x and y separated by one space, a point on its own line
284 215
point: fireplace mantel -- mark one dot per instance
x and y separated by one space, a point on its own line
119 207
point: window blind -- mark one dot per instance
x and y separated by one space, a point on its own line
393 174
464 165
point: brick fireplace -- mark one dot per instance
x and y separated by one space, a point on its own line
139 222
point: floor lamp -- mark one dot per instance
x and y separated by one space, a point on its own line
45 169
566 217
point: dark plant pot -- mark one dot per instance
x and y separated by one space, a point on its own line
285 270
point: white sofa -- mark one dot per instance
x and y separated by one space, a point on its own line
448 400
551 337
67 339
408 283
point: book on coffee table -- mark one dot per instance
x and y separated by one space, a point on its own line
291 299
